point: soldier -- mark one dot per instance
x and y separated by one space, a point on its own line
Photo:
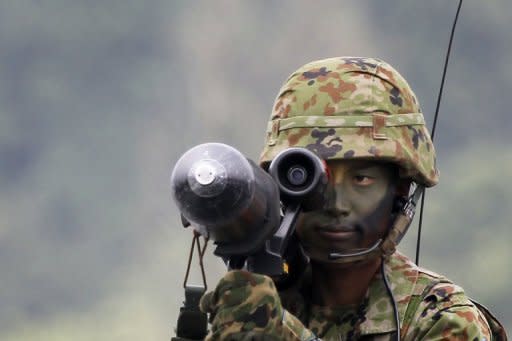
362 118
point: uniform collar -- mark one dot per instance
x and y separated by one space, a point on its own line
379 317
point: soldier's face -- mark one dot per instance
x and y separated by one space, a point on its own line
358 210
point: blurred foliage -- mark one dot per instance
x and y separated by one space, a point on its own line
99 99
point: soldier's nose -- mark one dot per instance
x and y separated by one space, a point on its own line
337 205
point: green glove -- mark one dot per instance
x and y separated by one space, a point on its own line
246 306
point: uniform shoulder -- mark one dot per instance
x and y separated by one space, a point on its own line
437 307
412 280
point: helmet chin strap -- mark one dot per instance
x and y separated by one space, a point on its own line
387 246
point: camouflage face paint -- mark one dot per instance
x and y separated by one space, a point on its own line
358 210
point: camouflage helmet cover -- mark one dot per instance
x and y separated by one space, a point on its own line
352 108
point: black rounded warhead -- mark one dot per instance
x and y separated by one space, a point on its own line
212 182
226 197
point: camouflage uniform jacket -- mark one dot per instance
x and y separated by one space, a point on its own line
247 306
430 307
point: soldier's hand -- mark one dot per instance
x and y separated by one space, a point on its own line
246 306
242 302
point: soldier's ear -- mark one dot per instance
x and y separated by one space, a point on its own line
402 188
401 195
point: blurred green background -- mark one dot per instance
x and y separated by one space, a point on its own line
98 99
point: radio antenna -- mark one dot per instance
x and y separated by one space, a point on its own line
439 96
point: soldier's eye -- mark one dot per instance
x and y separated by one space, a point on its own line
363 180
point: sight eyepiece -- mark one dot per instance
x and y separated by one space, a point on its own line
297 175
301 177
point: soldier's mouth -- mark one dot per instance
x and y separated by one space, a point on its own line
336 232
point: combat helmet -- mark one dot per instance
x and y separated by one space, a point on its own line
352 108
